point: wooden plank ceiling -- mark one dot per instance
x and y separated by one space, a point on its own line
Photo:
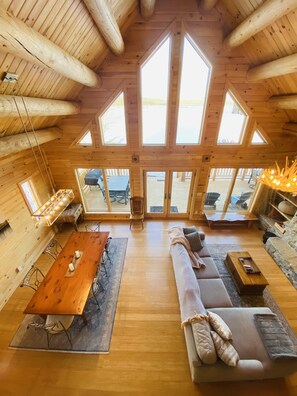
71 27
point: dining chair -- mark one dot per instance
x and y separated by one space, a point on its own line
137 210
53 325
33 278
94 227
53 248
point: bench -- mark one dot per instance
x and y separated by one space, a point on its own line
227 218
71 214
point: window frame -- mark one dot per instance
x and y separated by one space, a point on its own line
36 198
187 35
237 99
149 54
104 109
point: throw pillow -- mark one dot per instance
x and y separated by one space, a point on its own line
189 230
225 350
194 241
219 326
203 341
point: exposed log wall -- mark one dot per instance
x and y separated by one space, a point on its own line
122 73
26 242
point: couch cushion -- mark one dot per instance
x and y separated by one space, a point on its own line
214 293
204 251
209 271
225 350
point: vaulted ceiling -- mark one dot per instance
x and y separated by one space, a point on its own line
66 43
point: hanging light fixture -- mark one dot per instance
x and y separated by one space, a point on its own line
284 179
48 213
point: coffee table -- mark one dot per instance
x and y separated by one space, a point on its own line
245 283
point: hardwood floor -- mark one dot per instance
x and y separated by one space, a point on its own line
148 354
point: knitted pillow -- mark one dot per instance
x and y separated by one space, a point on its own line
203 341
194 241
219 326
225 350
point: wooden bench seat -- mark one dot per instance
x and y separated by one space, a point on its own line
229 218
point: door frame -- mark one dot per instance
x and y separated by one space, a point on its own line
168 191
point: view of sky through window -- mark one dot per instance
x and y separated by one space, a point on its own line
154 95
257 138
86 140
193 90
232 122
113 123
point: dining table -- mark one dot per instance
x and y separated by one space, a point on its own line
65 292
118 188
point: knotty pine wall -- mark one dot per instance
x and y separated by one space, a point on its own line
122 73
26 242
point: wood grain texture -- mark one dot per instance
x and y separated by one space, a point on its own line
101 12
147 8
18 39
24 141
262 17
35 106
64 295
148 353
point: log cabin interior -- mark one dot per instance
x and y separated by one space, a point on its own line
182 100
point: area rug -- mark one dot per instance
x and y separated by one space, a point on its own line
219 253
93 337
160 209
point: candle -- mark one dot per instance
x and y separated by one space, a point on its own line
71 267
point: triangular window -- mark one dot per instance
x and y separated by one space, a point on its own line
113 123
233 122
193 94
154 95
86 139
258 138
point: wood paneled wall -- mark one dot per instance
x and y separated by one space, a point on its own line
26 242
122 73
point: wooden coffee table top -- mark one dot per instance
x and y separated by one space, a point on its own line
246 279
67 295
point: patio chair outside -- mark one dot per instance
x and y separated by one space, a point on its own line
211 198
240 201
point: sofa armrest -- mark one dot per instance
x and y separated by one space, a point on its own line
246 369
202 235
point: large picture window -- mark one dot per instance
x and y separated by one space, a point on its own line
113 123
154 76
233 122
193 94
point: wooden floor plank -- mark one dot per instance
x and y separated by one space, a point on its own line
148 354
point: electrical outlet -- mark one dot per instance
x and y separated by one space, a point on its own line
10 77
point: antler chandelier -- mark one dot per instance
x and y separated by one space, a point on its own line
284 179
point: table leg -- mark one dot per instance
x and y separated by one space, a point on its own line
84 318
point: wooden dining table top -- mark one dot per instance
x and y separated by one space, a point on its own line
61 294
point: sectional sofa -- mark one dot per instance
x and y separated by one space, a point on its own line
255 363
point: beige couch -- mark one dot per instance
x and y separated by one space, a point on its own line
254 361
